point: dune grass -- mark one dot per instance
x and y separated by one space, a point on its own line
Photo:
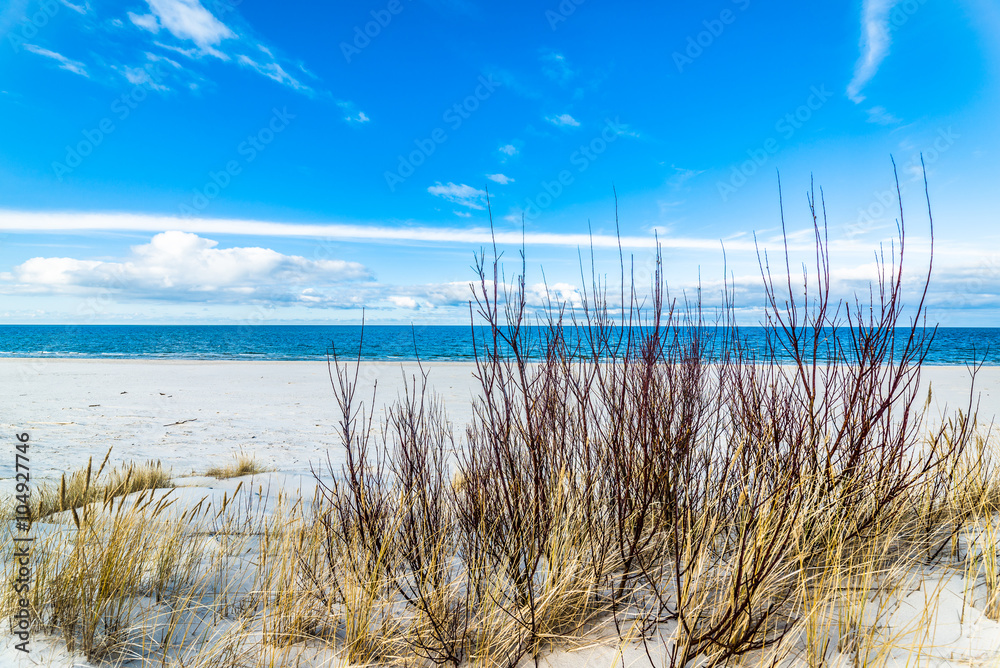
84 487
242 464
650 485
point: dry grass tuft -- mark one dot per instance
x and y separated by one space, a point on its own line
241 465
84 487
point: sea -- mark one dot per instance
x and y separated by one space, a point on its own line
950 346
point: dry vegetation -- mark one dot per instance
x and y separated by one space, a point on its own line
651 484
84 487
242 464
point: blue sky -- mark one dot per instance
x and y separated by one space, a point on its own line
201 161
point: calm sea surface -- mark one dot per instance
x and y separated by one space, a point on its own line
314 342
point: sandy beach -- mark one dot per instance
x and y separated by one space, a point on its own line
195 414
191 415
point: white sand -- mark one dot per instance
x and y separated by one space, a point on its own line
285 414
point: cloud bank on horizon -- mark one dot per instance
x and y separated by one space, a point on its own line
148 168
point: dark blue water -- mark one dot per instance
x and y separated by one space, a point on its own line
313 342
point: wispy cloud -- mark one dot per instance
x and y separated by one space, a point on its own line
502 179
147 22
507 151
140 76
556 67
187 20
624 130
188 28
457 293
876 40
74 66
563 120
403 301
187 53
681 176
273 71
186 267
63 221
463 195
153 58
353 114
79 9
881 116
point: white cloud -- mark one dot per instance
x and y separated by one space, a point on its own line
74 66
79 9
35 221
353 114
563 120
875 42
153 75
623 130
540 295
140 77
681 176
189 20
188 28
183 266
403 302
189 267
427 296
881 116
275 72
508 150
458 293
462 195
556 67
502 179
147 22
187 53
153 58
